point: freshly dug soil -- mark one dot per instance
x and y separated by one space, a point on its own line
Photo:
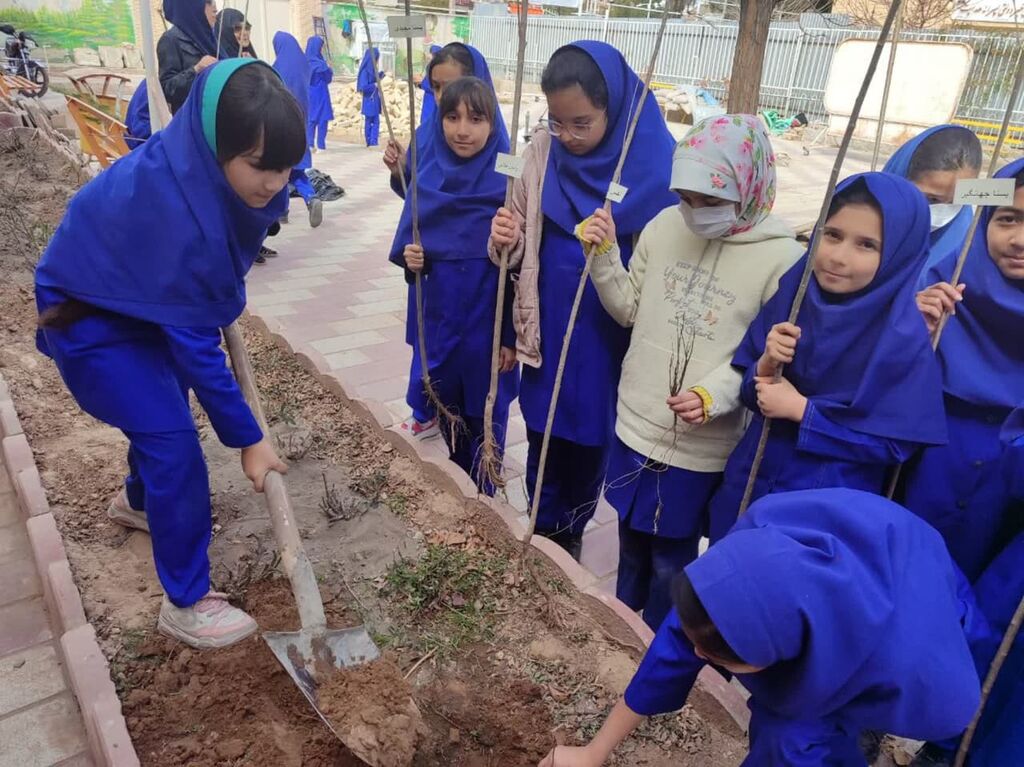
434 578
371 708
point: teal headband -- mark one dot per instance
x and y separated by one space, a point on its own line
219 75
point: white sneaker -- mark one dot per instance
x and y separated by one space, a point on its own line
316 212
121 512
210 623
420 429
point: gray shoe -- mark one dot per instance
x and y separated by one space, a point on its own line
316 213
121 512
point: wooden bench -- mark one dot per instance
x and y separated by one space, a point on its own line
107 91
100 135
12 84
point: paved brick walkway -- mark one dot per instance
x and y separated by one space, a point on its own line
40 723
337 297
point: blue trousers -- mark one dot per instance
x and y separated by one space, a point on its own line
317 132
647 565
572 483
168 478
371 127
302 184
778 742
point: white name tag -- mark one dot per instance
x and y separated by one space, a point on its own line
984 191
407 26
510 165
616 192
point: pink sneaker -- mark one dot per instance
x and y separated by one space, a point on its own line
121 512
420 429
210 623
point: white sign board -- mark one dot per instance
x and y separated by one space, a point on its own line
407 26
999 12
927 81
510 165
993 192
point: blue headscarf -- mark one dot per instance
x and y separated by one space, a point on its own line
425 134
292 65
366 76
850 603
866 358
315 56
190 17
137 118
160 235
429 103
457 200
575 186
951 236
981 351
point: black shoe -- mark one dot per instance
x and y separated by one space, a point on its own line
571 542
266 252
932 756
260 258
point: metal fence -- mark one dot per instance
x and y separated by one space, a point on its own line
796 65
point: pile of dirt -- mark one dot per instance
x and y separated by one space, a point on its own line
371 708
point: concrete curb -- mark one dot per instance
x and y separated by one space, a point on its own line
86 667
449 476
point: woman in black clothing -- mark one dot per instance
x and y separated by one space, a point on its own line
187 48
233 31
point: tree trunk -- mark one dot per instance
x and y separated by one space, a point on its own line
748 61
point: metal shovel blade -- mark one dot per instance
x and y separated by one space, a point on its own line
309 656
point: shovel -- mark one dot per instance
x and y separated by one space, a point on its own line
314 652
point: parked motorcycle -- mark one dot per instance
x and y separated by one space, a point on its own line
18 61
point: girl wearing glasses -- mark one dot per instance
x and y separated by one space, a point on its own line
591 94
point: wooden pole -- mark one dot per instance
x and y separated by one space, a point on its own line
1009 637
826 203
490 460
567 338
896 29
159 113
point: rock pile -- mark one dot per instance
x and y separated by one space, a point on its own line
348 102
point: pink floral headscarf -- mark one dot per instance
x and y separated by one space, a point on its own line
729 156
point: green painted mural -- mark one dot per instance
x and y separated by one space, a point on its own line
95 23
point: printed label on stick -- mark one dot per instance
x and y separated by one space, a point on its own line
407 26
984 191
510 165
616 192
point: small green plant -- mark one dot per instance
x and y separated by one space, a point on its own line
451 592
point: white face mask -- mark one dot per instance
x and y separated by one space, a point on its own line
942 214
709 223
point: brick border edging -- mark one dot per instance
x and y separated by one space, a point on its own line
448 475
87 669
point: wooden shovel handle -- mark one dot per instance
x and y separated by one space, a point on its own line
293 556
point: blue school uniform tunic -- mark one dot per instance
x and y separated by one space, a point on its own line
814 587
586 412
366 82
959 488
864 362
320 76
151 332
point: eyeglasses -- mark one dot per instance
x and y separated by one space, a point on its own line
556 129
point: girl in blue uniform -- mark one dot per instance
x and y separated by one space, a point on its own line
320 110
136 119
591 94
958 487
838 611
861 389
450 63
366 82
934 161
293 68
132 335
458 192
429 108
